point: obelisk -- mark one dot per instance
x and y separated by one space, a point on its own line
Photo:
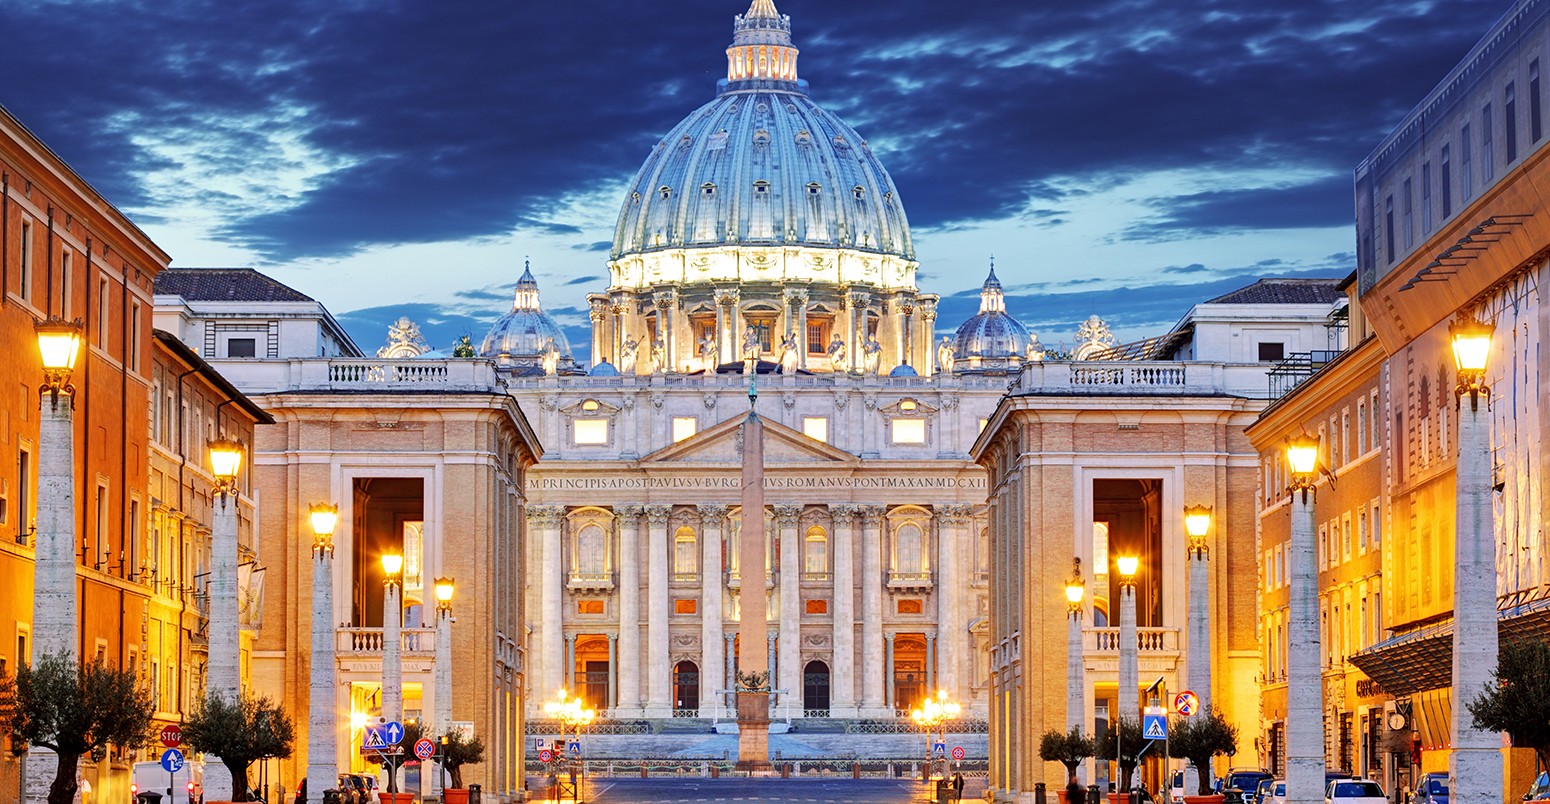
753 681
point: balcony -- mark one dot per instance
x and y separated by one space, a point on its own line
1141 378
367 642
1157 648
817 577
590 582
354 374
909 581
735 580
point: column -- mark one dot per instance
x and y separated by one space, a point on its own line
925 347
628 703
322 724
730 699
223 676
54 607
598 312
1200 621
931 655
1476 762
770 662
613 671
872 684
952 583
570 663
888 685
1129 671
842 697
1304 683
545 519
658 674
788 672
711 517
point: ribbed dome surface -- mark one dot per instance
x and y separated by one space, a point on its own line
991 335
762 165
525 331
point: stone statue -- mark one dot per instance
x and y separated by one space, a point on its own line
752 348
404 340
464 347
551 358
1096 339
789 354
839 357
946 354
1035 349
708 353
627 351
872 354
658 356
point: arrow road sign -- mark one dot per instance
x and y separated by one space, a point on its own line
1154 727
393 732
424 749
172 760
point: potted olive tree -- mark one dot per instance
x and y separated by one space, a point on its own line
1199 739
240 732
1124 742
458 750
1068 748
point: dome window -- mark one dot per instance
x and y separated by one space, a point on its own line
665 191
814 188
761 137
708 188
761 187
860 192
804 137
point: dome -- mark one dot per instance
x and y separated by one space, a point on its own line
524 333
992 338
763 165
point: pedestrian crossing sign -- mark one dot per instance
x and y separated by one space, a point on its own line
374 739
1154 727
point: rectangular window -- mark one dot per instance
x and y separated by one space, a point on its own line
132 349
1272 352
1373 431
103 307
684 427
24 265
1345 536
133 558
817 337
1323 546
1446 178
1376 525
1510 121
242 347
1345 436
1426 198
1466 185
591 431
1535 127
1409 201
909 431
1361 426
1361 529
65 283
685 605
1487 146
23 658
816 428
817 606
1388 226
589 607
23 496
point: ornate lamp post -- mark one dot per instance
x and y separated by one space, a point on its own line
54 627
1476 764
1197 523
224 676
1129 669
1304 687
322 709
573 714
392 648
932 716
1076 681
442 721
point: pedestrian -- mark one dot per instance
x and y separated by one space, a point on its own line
957 786
301 791
1075 792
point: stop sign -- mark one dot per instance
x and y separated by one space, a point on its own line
172 736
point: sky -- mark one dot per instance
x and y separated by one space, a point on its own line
1124 158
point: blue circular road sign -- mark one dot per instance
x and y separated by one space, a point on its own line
172 760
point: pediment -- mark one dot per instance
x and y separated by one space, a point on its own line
722 443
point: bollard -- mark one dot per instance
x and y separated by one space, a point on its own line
785 770
643 770
855 770
1093 796
715 771
1038 793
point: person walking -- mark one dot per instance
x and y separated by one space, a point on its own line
957 786
301 791
1075 792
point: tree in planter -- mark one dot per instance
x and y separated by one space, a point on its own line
75 711
1199 739
1067 748
1519 700
240 732
458 751
1130 744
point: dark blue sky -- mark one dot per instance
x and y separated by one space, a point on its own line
1119 157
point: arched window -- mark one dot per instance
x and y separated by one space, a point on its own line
686 561
591 552
907 550
817 566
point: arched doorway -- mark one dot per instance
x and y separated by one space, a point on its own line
686 689
909 671
815 689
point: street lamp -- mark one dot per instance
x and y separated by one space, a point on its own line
223 666
1076 672
1475 760
932 715
322 736
392 647
573 713
54 607
1197 523
1304 685
1129 664
442 720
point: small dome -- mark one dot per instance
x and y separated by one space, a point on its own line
992 338
524 333
903 370
603 369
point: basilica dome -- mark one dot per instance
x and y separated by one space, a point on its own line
524 334
762 165
992 338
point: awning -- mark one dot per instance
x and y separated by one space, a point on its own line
1422 659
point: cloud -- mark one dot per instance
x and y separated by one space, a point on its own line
1321 204
584 280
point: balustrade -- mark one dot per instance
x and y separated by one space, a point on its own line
368 641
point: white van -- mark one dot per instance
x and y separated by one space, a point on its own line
188 783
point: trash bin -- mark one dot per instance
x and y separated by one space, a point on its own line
331 797
1039 795
148 797
1093 795
944 792
475 794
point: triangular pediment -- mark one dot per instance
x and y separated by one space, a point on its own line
722 443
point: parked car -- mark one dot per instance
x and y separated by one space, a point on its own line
348 792
1262 794
1277 792
365 786
1354 791
1432 789
1183 782
1540 790
148 777
1239 784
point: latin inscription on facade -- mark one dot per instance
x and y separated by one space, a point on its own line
733 482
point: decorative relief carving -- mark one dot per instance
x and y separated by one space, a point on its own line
628 512
873 514
545 515
549 402
953 514
789 400
846 512
657 515
870 401
815 640
787 514
691 641
709 399
841 399
658 399
711 513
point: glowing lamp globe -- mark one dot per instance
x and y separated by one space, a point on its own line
1471 345
324 518
392 564
1302 454
59 343
225 461
1197 520
1127 565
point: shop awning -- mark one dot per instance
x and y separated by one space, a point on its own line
1422 659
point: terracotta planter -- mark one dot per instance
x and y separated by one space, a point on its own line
454 795
1216 798
395 798
1119 798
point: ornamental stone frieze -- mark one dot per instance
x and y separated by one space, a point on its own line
787 514
657 515
545 516
712 513
629 512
